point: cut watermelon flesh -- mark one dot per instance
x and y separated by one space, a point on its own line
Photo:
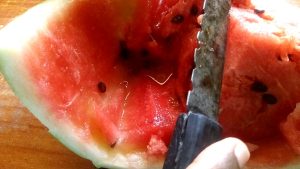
109 79
112 75
261 83
260 55
138 98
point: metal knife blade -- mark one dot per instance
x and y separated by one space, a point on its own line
209 59
198 129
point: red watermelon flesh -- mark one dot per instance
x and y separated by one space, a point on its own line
120 73
122 78
291 129
261 82
251 75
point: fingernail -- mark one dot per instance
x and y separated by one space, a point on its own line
242 154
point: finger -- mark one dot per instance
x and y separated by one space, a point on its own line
228 153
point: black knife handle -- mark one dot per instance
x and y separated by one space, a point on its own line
193 133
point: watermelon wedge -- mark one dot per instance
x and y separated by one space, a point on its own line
105 74
109 79
261 82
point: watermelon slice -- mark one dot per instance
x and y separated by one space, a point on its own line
103 78
261 82
109 79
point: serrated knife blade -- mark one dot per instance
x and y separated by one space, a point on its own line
199 128
209 59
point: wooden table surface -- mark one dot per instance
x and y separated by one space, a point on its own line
24 142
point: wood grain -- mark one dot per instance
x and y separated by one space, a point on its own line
24 142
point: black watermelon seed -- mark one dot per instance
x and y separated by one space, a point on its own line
291 58
113 145
259 11
101 87
269 98
279 58
259 86
124 51
177 19
194 10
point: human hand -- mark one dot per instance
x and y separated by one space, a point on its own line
229 153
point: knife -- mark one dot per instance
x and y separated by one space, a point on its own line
199 128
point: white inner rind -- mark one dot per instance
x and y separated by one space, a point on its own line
13 39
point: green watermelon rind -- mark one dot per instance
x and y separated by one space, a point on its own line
13 39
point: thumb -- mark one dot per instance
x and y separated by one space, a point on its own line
229 153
